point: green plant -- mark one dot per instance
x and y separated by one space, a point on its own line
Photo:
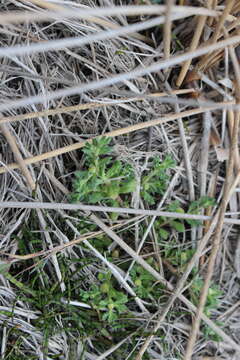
179 45
163 225
104 178
100 242
213 297
111 181
109 302
212 303
177 256
196 206
47 300
154 181
144 282
209 333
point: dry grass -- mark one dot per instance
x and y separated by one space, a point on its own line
72 71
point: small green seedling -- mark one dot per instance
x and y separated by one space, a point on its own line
212 303
163 225
103 177
213 297
109 302
143 281
110 181
154 182
196 206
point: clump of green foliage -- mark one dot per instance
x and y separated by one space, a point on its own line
213 297
104 178
145 283
109 302
196 206
179 258
212 303
164 225
155 181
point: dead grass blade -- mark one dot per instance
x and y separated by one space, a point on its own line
60 44
205 61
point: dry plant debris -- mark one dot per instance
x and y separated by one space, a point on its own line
119 175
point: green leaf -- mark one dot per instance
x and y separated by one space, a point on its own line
105 287
177 226
210 334
110 316
155 181
138 282
101 276
148 198
174 206
115 170
103 304
202 203
95 197
113 190
98 146
114 216
164 234
193 222
19 284
128 187
121 298
105 333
